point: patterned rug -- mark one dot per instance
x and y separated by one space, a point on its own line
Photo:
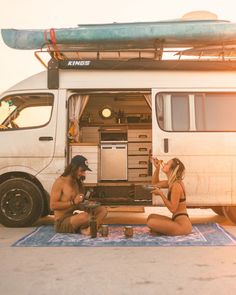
202 235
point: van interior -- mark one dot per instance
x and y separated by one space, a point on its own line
115 135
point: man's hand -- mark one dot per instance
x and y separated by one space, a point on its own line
78 199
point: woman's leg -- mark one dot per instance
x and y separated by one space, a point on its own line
167 226
151 216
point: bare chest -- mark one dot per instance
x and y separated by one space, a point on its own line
69 192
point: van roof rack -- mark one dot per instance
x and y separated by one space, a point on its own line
212 57
212 52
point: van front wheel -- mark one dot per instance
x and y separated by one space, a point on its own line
218 210
230 213
21 202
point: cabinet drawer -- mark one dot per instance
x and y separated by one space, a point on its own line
139 135
138 161
139 148
138 175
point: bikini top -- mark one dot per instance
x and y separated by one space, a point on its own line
181 200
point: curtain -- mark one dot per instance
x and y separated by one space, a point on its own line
148 98
77 105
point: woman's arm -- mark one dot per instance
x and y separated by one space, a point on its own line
176 193
155 177
161 184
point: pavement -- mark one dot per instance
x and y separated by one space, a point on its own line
131 270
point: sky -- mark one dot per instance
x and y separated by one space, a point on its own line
16 65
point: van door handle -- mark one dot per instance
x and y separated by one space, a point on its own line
45 138
166 145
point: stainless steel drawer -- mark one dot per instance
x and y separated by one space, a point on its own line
114 161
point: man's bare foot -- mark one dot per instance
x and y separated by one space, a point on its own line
85 231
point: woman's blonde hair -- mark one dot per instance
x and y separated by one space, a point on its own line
177 171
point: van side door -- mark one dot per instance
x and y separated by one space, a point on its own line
198 127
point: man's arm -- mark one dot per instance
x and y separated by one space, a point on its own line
55 202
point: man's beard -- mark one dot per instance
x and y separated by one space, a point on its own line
82 178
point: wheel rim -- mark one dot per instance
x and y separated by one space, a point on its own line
16 204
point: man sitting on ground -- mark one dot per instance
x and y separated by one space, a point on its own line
67 196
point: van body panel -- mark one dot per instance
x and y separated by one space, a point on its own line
56 167
13 168
97 79
210 157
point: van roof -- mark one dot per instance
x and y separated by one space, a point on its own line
37 81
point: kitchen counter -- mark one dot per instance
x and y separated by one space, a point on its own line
128 125
83 144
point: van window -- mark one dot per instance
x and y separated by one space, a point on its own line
25 110
180 112
173 111
215 112
209 111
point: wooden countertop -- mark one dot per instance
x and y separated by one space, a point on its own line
83 144
129 126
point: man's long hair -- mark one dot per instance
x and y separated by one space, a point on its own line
71 170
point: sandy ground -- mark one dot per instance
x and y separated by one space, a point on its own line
151 270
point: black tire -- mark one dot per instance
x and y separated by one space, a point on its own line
46 208
21 202
218 210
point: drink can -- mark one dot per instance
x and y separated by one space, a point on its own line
128 231
104 230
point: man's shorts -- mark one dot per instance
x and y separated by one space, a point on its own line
63 225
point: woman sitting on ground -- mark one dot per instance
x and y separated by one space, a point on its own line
175 201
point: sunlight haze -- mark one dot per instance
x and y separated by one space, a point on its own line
16 65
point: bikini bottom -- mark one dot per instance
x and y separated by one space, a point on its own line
179 214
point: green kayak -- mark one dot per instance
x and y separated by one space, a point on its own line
117 36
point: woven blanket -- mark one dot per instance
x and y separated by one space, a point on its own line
210 234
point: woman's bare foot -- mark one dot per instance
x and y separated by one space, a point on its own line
155 233
85 231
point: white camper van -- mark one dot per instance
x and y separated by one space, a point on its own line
123 117
124 110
